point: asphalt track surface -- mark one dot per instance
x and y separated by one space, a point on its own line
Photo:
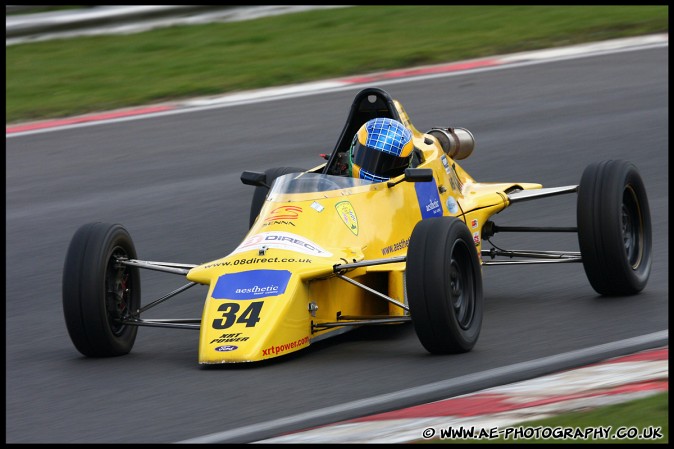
173 181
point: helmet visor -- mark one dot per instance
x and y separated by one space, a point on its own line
377 162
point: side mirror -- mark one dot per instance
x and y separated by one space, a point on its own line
253 178
414 175
418 174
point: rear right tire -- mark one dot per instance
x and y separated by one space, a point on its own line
614 228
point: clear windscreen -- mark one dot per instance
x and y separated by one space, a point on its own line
313 182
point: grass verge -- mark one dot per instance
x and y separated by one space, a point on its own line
72 76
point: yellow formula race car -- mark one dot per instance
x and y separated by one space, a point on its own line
328 251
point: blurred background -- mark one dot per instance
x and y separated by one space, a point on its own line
70 59
173 181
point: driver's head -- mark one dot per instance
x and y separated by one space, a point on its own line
381 149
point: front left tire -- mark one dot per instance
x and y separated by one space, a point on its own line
98 292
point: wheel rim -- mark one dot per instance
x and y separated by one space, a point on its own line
461 292
117 291
632 228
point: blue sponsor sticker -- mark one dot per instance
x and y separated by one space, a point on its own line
226 348
445 163
252 284
428 198
452 205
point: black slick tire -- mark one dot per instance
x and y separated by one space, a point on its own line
444 285
97 292
614 228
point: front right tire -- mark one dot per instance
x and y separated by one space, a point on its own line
444 285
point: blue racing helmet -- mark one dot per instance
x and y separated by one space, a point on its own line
381 150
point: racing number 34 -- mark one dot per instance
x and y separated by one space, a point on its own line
229 310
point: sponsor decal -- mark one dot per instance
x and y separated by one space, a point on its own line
348 215
476 238
252 284
278 349
284 213
428 198
226 348
473 223
454 179
445 163
235 262
452 205
228 338
278 222
317 206
282 240
395 247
